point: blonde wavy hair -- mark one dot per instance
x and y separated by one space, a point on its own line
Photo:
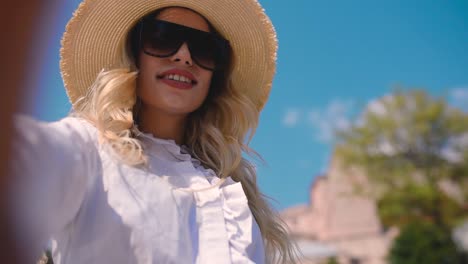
217 134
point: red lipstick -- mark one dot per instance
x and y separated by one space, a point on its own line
178 78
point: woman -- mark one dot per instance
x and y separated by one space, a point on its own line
149 169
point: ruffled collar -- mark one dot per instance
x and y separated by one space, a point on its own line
168 149
161 147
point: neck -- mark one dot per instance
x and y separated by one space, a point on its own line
162 125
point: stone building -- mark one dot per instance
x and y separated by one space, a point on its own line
338 222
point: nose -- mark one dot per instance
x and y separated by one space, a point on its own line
183 55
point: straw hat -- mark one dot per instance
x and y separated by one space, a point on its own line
96 35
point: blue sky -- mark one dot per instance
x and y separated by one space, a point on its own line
334 58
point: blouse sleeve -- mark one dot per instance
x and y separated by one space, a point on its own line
51 168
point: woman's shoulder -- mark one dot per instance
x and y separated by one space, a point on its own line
78 126
78 123
72 127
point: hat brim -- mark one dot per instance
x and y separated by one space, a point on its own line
96 35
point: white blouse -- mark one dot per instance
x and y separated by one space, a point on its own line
98 210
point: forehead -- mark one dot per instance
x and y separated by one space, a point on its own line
185 17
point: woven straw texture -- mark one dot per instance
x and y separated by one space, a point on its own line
96 35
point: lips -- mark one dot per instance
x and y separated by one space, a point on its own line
178 78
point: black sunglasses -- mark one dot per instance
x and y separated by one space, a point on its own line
162 39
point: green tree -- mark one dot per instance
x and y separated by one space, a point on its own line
424 243
409 144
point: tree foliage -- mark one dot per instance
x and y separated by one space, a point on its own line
424 243
410 144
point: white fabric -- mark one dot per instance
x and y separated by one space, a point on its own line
98 210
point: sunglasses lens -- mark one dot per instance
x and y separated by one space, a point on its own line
160 39
164 39
203 52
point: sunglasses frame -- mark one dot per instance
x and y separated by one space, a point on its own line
220 59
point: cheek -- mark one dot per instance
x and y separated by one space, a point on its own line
205 78
143 80
142 87
204 87
146 76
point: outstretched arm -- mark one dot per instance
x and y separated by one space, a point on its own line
52 166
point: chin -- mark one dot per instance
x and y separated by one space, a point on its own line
179 111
